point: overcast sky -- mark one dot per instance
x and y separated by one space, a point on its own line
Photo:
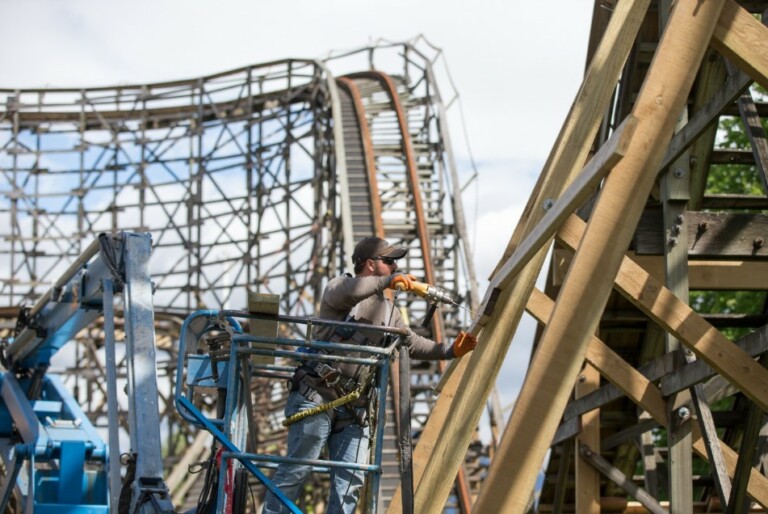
517 66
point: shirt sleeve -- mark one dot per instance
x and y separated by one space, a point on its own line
343 293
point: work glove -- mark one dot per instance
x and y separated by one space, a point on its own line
464 343
402 282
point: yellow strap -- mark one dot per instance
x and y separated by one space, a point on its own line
354 395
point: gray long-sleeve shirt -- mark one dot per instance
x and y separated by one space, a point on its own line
364 298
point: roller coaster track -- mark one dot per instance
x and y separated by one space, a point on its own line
383 177
260 178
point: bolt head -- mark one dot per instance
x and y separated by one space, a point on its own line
683 412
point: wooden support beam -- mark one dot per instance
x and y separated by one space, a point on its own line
645 394
712 234
676 317
557 211
756 134
563 471
661 369
711 275
648 451
587 478
674 194
620 479
737 502
705 117
563 344
459 407
743 40
754 344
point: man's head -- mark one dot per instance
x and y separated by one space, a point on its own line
374 256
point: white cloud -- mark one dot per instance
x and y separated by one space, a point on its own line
516 65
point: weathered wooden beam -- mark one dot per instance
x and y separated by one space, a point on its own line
587 479
563 344
671 380
676 317
735 201
563 471
453 422
738 502
743 40
756 134
712 234
712 275
644 425
645 394
620 479
711 79
754 344
653 371
674 195
705 117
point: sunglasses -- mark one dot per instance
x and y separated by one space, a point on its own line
389 261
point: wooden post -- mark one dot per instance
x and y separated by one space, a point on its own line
454 418
562 347
587 477
262 303
675 193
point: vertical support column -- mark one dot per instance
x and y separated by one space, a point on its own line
675 194
142 374
587 477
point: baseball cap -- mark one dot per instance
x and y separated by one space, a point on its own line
370 247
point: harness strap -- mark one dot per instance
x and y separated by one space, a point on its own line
354 395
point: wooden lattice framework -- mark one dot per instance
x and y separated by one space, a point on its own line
641 132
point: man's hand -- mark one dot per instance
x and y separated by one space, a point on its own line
402 282
464 343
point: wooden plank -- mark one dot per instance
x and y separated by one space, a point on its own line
756 134
737 502
663 369
263 303
645 394
643 426
674 195
648 452
457 416
587 478
563 472
563 344
743 40
713 275
620 479
713 234
653 371
679 319
754 344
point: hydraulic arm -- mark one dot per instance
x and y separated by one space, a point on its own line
55 460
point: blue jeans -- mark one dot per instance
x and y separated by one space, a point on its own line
306 439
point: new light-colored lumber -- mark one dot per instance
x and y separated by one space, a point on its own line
743 40
580 189
673 315
452 423
561 349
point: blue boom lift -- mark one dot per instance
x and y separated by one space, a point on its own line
53 456
55 460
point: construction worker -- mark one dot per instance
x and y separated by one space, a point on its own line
345 429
